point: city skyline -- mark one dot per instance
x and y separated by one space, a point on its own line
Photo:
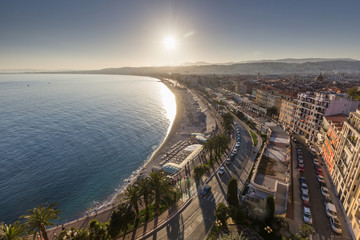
94 35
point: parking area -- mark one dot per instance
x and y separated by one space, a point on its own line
307 168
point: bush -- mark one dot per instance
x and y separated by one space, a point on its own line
269 209
232 196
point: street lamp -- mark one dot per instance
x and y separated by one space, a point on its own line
268 229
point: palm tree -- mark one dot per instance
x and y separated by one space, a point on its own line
133 197
11 232
40 217
161 188
144 186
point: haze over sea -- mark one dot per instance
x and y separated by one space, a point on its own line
75 139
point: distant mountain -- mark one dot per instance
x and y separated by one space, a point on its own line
266 67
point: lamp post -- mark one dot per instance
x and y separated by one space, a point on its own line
268 229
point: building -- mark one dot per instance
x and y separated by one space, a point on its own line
330 135
261 97
286 113
312 107
346 172
274 181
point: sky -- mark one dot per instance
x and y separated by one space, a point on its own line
96 34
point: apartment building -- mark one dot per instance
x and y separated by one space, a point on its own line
346 171
330 134
267 98
286 113
312 107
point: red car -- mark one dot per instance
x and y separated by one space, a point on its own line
319 172
301 170
306 204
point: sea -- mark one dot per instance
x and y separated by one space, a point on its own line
76 140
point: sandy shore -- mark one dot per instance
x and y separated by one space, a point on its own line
192 115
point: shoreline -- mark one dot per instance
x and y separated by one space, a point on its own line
190 117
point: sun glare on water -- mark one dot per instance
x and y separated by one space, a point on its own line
169 42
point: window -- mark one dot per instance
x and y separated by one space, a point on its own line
354 188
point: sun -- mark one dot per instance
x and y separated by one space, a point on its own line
169 43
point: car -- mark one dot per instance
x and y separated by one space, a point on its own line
304 187
206 190
320 179
232 156
316 166
221 170
307 215
305 196
330 210
301 161
302 180
227 161
301 165
306 204
235 152
325 192
335 225
316 161
313 150
318 172
301 170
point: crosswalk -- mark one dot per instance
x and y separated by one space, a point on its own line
215 197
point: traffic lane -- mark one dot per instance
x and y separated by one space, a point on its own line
321 222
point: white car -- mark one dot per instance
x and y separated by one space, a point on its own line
305 196
330 210
221 171
227 161
320 179
316 161
235 151
307 215
304 187
325 192
335 225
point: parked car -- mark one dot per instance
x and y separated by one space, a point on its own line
304 187
232 156
307 215
330 210
320 179
305 196
325 192
221 171
235 152
302 180
316 161
301 165
227 161
318 172
301 170
306 204
205 190
335 225
301 161
316 166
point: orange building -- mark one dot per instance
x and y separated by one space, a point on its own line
330 134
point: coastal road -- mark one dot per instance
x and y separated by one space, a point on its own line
196 220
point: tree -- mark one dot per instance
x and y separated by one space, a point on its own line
354 93
273 111
221 213
306 230
97 230
227 121
160 187
133 198
144 186
199 171
269 209
40 217
12 231
232 196
120 219
74 234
